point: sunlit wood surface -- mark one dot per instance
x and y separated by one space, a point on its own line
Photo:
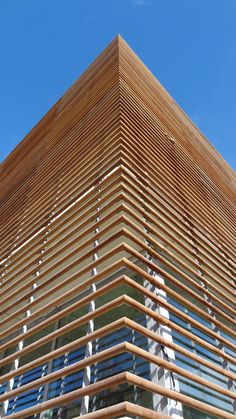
114 183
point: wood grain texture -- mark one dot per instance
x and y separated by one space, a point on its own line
116 183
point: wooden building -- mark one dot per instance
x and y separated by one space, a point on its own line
117 254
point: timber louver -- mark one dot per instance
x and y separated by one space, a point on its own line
117 256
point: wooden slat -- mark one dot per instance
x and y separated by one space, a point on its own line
114 189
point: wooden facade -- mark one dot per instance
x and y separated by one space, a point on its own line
117 257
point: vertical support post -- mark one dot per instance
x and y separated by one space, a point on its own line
25 328
48 414
20 345
90 329
158 374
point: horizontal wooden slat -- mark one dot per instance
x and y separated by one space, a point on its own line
117 215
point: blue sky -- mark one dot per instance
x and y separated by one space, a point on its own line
189 45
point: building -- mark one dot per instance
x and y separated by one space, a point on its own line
117 257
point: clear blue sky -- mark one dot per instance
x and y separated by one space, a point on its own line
189 45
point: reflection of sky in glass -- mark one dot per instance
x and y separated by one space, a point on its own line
187 386
31 397
123 362
99 371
